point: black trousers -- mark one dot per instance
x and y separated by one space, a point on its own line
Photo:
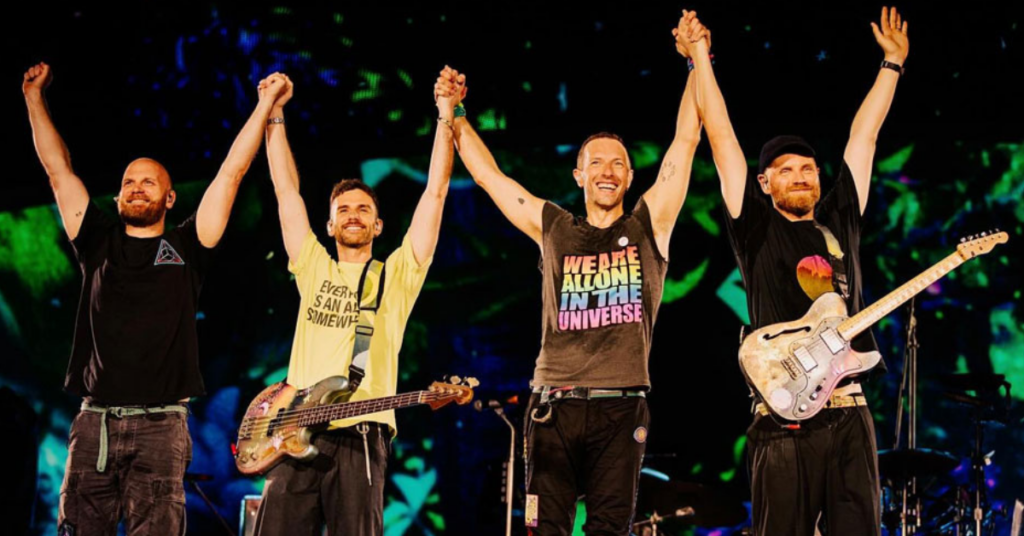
143 482
589 448
300 498
827 468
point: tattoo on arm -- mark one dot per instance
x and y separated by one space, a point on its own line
522 201
668 170
79 213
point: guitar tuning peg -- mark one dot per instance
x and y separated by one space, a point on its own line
473 383
455 380
963 239
984 234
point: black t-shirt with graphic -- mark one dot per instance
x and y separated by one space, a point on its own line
602 289
786 264
135 337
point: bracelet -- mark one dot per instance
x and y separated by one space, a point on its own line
275 121
460 110
691 65
447 122
894 66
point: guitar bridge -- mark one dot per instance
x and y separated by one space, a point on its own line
790 367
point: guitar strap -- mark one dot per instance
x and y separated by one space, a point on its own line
835 254
371 291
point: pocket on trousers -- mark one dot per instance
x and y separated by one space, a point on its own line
168 490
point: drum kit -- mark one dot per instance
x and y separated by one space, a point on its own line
911 474
921 495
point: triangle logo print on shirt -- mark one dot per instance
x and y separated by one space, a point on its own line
167 255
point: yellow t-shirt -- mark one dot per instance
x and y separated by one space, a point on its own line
329 313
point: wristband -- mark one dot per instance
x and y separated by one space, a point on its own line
691 65
894 66
460 110
275 121
447 122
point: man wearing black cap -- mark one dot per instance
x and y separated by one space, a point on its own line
791 250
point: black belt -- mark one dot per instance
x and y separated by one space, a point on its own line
548 393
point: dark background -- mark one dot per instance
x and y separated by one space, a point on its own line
176 81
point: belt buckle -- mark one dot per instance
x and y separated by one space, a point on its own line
580 392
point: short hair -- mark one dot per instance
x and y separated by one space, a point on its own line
347 185
598 136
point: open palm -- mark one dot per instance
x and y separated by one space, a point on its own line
891 35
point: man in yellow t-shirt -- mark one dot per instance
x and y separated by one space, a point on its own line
344 486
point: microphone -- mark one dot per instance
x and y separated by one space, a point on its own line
480 405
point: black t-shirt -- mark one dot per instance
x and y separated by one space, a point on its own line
602 289
786 264
135 337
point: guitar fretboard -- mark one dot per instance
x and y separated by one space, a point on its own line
863 320
345 410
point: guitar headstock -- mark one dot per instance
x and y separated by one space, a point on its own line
976 245
453 389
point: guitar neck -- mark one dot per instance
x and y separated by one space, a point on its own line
863 320
345 410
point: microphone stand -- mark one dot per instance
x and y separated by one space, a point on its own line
510 467
909 383
193 479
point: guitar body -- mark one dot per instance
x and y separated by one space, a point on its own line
795 366
267 436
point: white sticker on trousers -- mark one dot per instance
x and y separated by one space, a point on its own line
532 507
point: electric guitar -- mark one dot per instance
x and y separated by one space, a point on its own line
281 420
795 366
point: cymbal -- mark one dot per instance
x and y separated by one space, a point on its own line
991 410
713 507
974 381
904 464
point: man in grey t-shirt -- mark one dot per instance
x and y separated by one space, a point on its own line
603 279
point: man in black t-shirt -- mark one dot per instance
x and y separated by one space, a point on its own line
792 248
602 284
135 358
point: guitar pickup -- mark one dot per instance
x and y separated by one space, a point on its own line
834 342
805 358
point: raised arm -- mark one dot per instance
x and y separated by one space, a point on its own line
519 206
426 221
68 189
725 148
215 208
891 35
666 196
285 176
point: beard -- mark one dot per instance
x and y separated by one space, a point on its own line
799 203
350 239
141 215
